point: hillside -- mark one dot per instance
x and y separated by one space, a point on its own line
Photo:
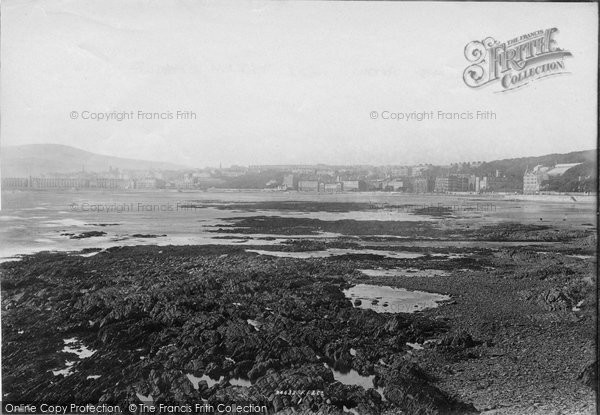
581 178
513 170
36 159
517 166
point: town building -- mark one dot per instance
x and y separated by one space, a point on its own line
107 183
15 183
331 187
401 171
531 183
532 179
483 184
374 185
308 185
394 185
353 185
417 171
146 183
441 185
290 181
57 183
474 183
423 184
458 183
185 183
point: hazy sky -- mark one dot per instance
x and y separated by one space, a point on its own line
288 82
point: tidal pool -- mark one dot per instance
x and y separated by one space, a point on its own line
148 400
337 252
404 272
212 382
582 256
383 299
74 346
79 349
352 377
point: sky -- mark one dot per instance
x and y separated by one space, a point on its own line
288 82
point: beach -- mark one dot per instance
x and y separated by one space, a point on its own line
371 304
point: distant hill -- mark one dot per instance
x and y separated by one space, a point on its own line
517 166
36 159
581 178
513 170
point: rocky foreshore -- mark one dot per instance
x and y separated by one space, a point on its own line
202 324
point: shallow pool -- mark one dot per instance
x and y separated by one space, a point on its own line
384 299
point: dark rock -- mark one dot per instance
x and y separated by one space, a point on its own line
555 299
259 369
154 318
589 375
88 234
458 341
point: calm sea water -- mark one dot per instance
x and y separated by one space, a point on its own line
37 221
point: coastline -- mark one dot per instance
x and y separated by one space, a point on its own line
515 322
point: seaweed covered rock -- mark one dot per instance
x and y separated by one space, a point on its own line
589 375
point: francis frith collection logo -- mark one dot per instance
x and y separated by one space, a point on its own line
516 62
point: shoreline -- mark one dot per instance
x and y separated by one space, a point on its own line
559 197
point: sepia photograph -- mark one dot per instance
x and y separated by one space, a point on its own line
298 207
